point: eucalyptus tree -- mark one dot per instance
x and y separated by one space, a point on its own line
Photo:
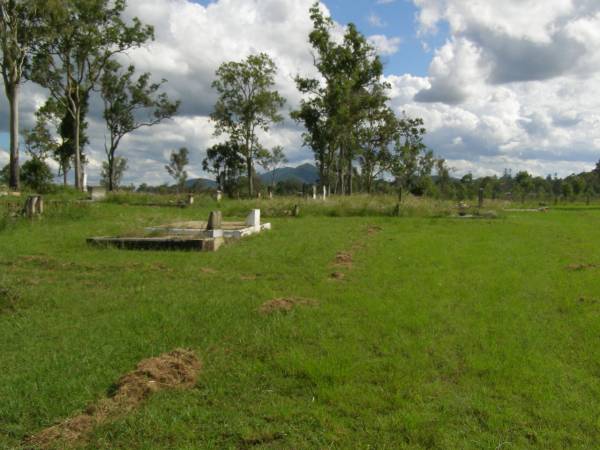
337 104
112 175
130 104
81 37
320 104
412 160
58 123
377 132
271 160
226 162
176 167
19 34
247 103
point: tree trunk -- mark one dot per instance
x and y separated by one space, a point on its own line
64 171
13 99
78 174
111 173
350 176
250 180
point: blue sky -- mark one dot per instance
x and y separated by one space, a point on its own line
499 84
392 18
395 19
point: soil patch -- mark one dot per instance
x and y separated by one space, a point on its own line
208 270
338 276
285 304
580 267
373 229
175 370
261 439
248 277
343 259
8 300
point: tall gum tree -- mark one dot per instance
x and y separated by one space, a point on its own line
247 103
18 37
337 104
81 38
130 104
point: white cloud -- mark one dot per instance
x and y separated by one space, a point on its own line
384 45
513 85
376 21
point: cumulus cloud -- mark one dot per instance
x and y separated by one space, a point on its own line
384 45
192 40
512 86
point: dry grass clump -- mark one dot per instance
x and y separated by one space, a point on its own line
285 304
175 370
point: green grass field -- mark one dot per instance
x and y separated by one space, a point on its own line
444 333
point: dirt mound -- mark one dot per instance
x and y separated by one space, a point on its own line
337 275
8 299
344 259
285 304
580 267
175 370
248 277
373 229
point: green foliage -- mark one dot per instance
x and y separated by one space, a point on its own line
19 35
247 103
272 160
37 175
176 167
5 174
225 161
113 177
129 104
80 39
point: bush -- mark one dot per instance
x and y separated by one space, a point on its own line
37 175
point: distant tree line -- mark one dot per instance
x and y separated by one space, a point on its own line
72 48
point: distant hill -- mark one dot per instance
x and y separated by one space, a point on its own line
305 173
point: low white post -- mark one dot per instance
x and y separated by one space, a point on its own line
253 219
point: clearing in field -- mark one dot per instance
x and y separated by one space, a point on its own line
420 331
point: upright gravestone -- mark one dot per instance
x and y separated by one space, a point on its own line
215 221
219 196
34 206
97 193
253 219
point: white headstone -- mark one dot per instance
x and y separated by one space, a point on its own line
253 219
84 179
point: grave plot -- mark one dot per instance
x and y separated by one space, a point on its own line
204 236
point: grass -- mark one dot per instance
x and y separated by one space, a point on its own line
444 333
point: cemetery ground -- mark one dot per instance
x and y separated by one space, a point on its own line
356 331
